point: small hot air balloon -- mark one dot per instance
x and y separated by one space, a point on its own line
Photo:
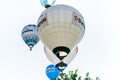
60 64
30 35
52 72
47 3
61 28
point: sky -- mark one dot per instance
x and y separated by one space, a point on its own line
98 50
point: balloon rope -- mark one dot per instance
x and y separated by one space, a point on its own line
30 48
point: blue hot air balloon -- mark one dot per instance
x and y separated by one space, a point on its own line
52 72
47 3
30 35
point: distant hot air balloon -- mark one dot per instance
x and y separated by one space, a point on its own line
52 72
30 35
61 28
47 3
60 64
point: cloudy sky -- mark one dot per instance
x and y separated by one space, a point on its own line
99 50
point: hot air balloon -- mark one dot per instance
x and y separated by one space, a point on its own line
51 57
52 72
30 35
47 3
61 28
60 64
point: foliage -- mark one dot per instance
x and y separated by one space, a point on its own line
72 75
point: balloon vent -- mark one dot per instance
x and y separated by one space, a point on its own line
47 6
61 66
30 46
61 52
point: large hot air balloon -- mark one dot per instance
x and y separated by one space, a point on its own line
60 64
61 28
52 72
30 35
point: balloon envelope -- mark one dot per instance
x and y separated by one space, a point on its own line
30 35
71 56
52 72
51 57
61 65
61 28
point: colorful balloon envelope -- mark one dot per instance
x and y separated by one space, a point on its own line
52 72
60 64
61 28
30 35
